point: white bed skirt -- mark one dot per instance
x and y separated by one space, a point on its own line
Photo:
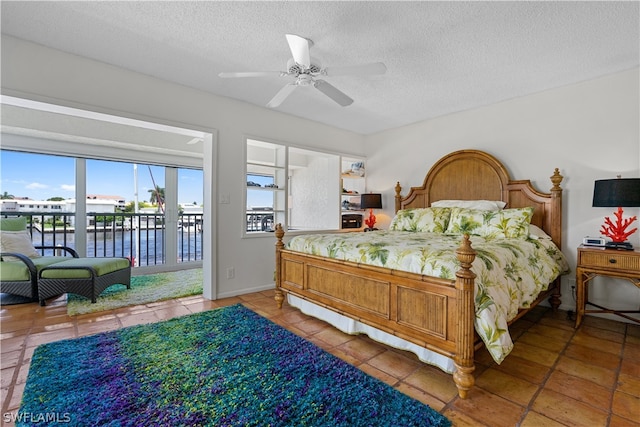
353 327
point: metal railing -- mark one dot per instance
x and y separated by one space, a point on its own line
259 221
139 237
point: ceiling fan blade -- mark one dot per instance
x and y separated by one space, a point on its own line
251 74
300 49
374 68
333 93
281 95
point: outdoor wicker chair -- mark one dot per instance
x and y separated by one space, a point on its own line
20 261
19 273
26 272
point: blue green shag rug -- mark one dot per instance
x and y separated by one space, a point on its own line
144 289
224 367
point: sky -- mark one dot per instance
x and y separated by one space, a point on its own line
256 196
40 177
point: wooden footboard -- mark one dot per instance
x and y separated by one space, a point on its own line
434 313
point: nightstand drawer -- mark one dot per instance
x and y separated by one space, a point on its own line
609 260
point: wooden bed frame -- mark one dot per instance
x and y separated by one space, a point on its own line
430 312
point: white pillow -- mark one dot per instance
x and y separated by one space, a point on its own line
483 205
536 233
17 242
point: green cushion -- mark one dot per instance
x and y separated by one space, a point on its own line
15 271
13 224
73 268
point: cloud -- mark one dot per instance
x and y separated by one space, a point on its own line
36 186
68 187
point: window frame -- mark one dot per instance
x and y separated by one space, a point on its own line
287 186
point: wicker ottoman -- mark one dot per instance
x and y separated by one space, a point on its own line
88 277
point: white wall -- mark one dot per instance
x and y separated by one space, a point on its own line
318 181
38 73
589 130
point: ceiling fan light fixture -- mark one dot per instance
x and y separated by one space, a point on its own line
295 69
305 69
305 80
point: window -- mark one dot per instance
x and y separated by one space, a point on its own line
36 179
113 225
135 233
191 210
153 187
266 185
299 188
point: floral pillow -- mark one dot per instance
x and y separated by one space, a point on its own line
431 220
504 224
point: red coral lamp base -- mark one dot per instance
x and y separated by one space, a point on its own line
371 221
618 231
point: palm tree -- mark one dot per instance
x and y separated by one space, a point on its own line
6 195
157 196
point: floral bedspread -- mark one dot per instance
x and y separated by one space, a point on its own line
510 272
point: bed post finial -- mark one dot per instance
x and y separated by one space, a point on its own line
279 235
465 278
556 179
398 195
279 296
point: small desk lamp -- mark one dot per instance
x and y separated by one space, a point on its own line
370 201
617 193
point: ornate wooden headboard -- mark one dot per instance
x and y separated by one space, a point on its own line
476 175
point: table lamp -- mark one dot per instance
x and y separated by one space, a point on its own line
370 201
618 193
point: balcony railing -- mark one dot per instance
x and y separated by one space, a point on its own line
140 237
259 220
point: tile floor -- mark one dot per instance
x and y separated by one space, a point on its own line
556 375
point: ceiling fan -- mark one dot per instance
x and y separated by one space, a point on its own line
306 70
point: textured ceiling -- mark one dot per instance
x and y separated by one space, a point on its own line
442 57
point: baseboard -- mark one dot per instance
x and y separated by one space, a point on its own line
259 288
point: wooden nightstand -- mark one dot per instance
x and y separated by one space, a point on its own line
594 262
